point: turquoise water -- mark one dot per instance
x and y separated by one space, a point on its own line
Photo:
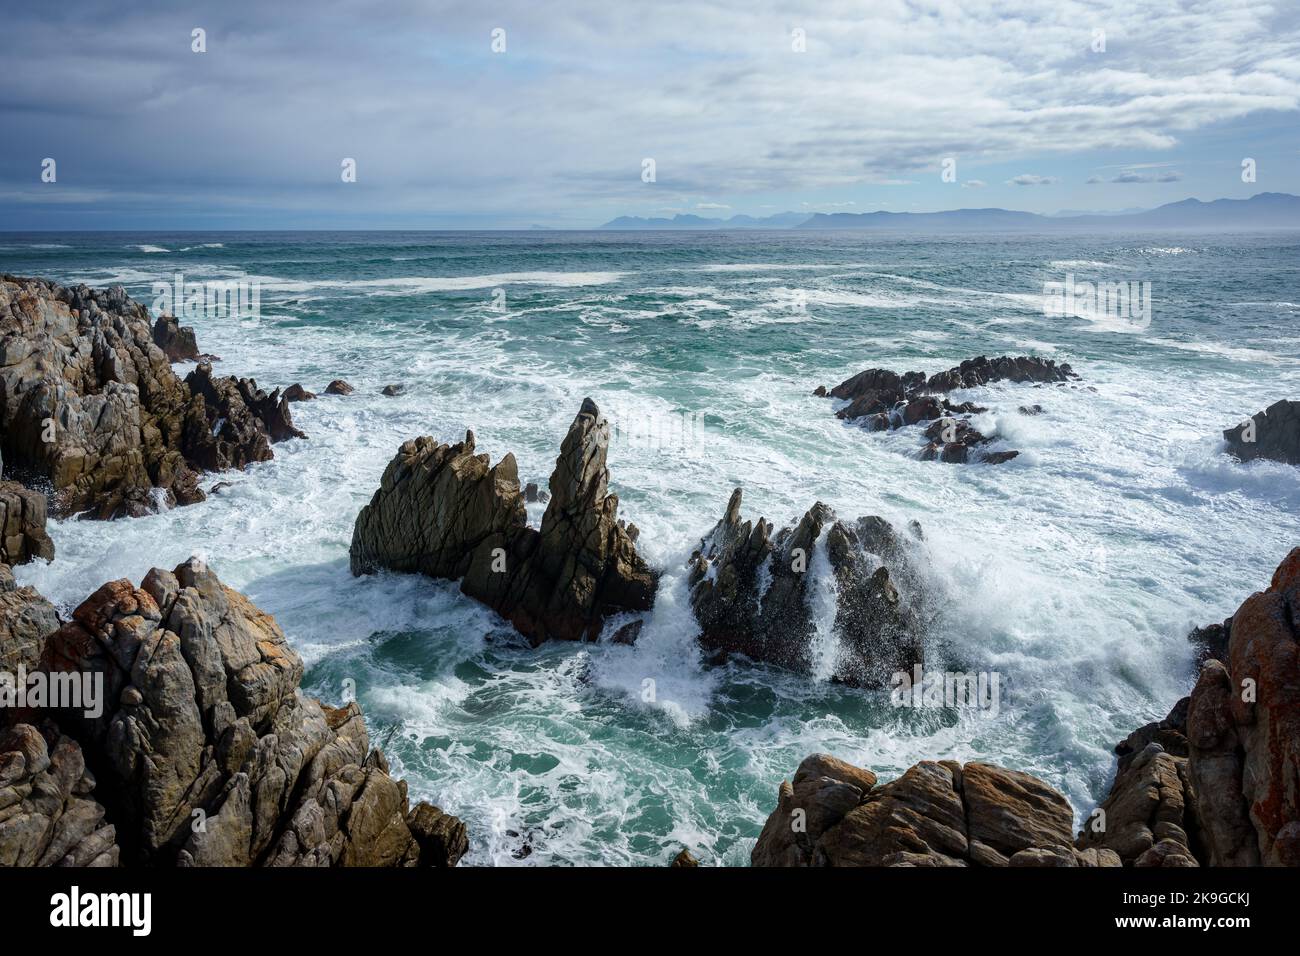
1073 571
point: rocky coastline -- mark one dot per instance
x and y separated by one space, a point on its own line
205 750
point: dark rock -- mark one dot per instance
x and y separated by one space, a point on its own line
1273 433
296 393
530 492
1211 641
22 525
339 387
176 341
879 399
441 837
1031 409
627 634
752 593
684 859
393 390
231 423
443 511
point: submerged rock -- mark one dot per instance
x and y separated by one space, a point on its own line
207 753
89 403
778 597
938 813
444 511
339 387
22 525
296 393
1273 433
880 399
393 390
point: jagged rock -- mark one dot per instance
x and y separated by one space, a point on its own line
339 387
207 752
935 814
1211 641
177 341
230 423
1273 433
47 814
296 393
880 400
755 593
393 390
89 403
444 511
684 860
1149 817
442 838
22 525
1243 727
25 620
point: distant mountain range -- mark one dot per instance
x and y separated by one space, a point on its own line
782 220
1262 211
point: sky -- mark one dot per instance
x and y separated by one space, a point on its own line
516 113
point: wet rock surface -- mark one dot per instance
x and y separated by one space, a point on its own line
177 341
1273 433
879 400
445 511
206 752
89 403
22 525
777 596
938 813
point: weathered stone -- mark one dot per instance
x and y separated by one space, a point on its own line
26 619
754 593
177 341
879 399
339 387
1273 433
443 511
22 525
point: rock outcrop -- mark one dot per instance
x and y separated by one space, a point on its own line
780 597
1273 433
444 511
938 813
1217 781
880 399
22 525
90 404
1243 731
25 619
207 753
339 387
177 341
48 816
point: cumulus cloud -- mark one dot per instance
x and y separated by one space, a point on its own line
1031 179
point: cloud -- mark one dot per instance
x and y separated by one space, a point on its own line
1132 176
974 184
586 89
1030 179
711 205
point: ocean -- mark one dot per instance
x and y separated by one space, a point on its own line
1074 571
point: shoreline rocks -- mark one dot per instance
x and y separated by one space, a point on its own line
1214 783
89 402
1273 433
444 511
880 400
22 525
755 592
205 752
